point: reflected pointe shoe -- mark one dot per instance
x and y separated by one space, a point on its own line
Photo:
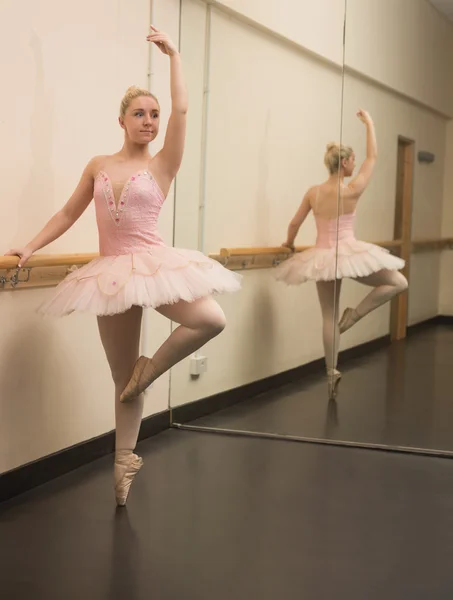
141 378
333 381
349 318
125 471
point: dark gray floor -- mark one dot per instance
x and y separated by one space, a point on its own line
398 396
220 518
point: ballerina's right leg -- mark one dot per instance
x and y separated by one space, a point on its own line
120 336
199 321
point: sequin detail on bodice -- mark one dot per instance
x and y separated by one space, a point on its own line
131 224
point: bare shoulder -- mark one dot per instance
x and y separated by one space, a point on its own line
311 193
350 192
98 163
95 164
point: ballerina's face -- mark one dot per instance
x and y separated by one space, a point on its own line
349 165
141 121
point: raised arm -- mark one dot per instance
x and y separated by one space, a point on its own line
298 219
361 181
64 218
170 157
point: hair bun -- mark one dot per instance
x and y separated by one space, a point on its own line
131 89
335 153
133 92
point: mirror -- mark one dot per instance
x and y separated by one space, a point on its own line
266 373
263 110
397 356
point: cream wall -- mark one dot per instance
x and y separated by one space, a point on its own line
316 26
63 92
271 110
406 45
393 117
266 133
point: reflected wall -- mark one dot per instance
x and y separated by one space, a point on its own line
396 67
265 102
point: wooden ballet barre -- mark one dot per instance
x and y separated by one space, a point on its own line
41 270
45 270
47 260
280 250
432 244
240 259
390 244
228 252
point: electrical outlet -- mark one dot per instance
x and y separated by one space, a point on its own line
198 365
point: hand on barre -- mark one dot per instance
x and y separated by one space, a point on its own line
23 253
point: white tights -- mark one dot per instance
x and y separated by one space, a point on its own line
387 284
199 322
329 296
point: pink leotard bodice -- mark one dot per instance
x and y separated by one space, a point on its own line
129 226
327 230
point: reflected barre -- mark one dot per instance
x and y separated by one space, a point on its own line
432 244
46 270
239 259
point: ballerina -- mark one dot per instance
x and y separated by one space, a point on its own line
135 268
337 253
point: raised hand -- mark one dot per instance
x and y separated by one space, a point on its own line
364 116
162 41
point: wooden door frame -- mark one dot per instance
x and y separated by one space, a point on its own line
403 230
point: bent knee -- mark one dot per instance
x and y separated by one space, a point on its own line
215 323
398 282
401 283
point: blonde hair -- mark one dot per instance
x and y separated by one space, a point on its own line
334 155
131 94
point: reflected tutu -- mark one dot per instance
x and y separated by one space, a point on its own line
355 259
110 285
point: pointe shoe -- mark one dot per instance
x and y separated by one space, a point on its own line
141 378
349 318
333 381
128 470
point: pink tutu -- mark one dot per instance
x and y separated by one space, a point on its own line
353 259
113 284
135 267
